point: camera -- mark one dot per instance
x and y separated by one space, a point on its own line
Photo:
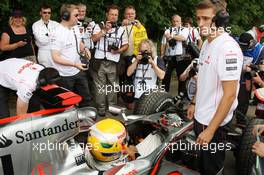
172 42
113 46
86 22
194 69
252 73
85 60
134 22
145 57
114 24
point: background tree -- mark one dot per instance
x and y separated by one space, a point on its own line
155 14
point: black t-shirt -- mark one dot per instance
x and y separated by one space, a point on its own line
19 52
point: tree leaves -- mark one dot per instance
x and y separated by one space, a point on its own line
155 14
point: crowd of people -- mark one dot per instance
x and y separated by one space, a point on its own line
92 58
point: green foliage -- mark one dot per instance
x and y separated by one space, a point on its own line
154 14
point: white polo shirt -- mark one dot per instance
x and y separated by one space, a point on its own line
150 78
43 33
19 75
220 60
178 48
64 42
113 36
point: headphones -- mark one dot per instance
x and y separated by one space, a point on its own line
261 28
65 15
221 19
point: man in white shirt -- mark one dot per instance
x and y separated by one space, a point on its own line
86 26
172 49
193 35
67 52
111 42
43 30
21 76
219 73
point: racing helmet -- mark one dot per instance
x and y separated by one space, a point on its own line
107 140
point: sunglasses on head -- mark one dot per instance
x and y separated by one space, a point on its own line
46 12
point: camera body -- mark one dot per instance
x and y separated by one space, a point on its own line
194 69
252 73
114 24
172 42
145 57
86 22
134 22
113 46
85 61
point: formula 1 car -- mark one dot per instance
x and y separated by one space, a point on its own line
43 142
239 136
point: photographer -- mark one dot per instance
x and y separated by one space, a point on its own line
173 52
190 76
136 33
86 26
253 53
147 67
111 42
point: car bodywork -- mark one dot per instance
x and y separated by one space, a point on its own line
43 143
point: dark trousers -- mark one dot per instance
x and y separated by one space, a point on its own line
212 160
180 66
4 107
243 99
78 83
33 106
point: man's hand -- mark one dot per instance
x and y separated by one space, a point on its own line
125 22
190 111
87 53
258 148
115 51
257 79
205 137
131 151
258 130
81 66
139 57
168 36
108 26
151 61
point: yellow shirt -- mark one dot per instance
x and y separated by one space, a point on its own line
139 34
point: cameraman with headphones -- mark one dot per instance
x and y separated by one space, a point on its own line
219 73
24 77
70 56
253 55
111 42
